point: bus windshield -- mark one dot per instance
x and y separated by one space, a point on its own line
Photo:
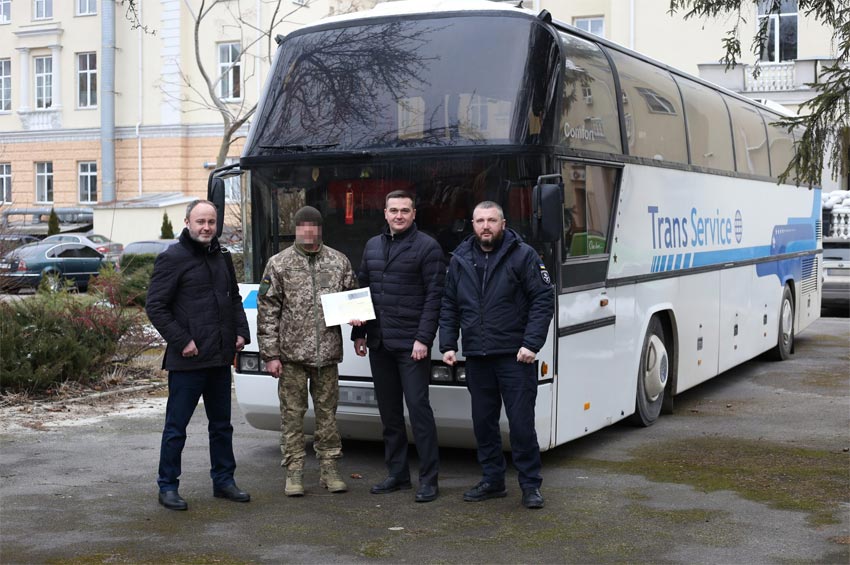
471 80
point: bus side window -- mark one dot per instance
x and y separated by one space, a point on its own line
588 205
709 132
750 139
781 147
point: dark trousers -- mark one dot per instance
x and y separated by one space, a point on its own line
184 390
399 378
492 380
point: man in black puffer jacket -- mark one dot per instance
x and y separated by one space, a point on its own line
404 270
194 303
499 293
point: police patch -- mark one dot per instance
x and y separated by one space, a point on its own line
544 274
264 285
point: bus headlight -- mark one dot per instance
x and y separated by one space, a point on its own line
250 363
441 374
460 373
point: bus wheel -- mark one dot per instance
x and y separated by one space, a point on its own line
785 337
652 376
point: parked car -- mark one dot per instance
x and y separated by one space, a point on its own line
836 273
110 249
26 266
150 247
10 241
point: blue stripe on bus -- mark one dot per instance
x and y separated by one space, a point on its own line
250 301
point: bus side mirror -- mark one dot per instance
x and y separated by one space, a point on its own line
547 210
216 195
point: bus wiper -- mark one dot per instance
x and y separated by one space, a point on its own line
300 147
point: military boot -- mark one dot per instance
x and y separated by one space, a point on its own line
329 477
294 482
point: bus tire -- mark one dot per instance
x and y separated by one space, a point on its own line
785 333
653 371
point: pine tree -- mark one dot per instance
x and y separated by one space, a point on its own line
53 223
167 230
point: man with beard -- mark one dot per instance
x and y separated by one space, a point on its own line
194 303
499 293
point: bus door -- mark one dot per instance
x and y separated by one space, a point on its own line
585 386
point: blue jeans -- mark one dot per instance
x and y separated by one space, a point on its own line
185 388
490 381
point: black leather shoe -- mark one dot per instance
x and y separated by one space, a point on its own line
531 498
427 493
484 491
390 484
232 492
171 500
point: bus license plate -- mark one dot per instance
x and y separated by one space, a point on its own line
357 396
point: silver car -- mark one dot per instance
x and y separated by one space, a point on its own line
836 273
110 249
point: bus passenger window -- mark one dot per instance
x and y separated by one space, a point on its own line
750 139
709 131
588 203
781 147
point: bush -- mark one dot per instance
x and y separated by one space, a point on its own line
55 337
166 231
131 284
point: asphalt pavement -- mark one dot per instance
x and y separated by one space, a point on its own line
752 467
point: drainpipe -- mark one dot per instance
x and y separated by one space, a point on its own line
107 101
140 98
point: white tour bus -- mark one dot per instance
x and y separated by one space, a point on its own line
651 196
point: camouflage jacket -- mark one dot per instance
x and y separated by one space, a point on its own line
290 321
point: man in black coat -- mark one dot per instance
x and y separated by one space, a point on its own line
404 270
499 294
194 303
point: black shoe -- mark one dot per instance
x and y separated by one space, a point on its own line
232 492
484 491
171 500
390 484
531 498
427 493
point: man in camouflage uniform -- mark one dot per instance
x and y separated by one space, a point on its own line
298 348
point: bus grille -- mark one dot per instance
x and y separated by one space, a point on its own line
810 278
819 230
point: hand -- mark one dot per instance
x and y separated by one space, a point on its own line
191 350
420 351
525 355
449 358
356 323
274 367
240 343
360 347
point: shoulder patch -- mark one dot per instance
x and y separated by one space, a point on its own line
544 274
265 284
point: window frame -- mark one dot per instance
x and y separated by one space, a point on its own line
230 89
90 76
5 12
5 86
590 20
6 183
43 100
91 6
45 177
774 29
44 8
90 178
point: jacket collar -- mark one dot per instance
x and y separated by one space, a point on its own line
399 236
196 247
511 239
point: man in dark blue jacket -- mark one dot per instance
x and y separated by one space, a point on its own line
404 270
499 293
194 303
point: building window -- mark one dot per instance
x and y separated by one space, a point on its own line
5 11
88 182
44 182
86 80
86 7
43 82
594 25
5 182
43 10
5 85
781 43
230 71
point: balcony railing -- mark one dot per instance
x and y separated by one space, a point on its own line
772 77
40 119
839 225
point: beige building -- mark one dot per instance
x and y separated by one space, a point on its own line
94 113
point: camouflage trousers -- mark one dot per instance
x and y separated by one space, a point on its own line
323 384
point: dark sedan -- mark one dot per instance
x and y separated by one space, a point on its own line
26 266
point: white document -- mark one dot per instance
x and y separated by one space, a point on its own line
341 307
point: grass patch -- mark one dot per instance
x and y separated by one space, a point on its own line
785 477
